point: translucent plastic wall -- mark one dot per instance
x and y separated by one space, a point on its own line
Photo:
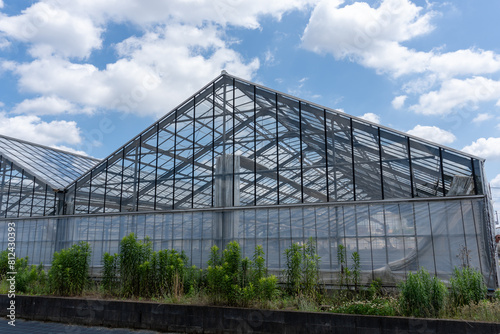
392 238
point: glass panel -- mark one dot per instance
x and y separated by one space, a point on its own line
458 178
366 161
395 165
426 169
266 154
340 171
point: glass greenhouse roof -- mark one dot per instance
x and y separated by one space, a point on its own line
51 166
235 143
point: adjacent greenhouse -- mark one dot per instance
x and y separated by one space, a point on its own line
238 161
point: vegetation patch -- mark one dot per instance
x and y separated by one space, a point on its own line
164 276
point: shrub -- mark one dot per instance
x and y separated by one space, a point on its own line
29 278
231 258
496 295
268 288
193 280
258 265
217 283
467 286
375 289
232 270
68 274
344 270
149 274
355 270
133 253
310 267
302 268
237 281
421 295
4 263
247 271
110 280
216 277
168 272
293 271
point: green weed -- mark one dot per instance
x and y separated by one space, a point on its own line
421 295
68 274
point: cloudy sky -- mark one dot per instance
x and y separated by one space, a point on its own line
88 75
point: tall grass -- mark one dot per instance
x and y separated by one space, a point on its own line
236 281
422 295
467 286
133 254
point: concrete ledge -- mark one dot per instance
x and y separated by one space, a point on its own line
212 319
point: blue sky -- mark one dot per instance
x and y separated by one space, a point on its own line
88 75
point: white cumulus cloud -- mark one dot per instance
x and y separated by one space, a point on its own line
399 101
179 46
496 181
488 148
47 105
154 73
52 30
433 133
32 128
374 37
457 93
370 36
482 117
224 12
4 43
371 117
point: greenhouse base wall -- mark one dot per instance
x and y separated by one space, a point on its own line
392 238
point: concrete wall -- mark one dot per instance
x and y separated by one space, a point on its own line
207 319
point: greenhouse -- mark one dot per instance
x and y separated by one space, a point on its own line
239 161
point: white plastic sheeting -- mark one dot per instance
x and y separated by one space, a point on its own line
392 238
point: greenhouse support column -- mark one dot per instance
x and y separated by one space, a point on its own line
442 170
381 163
254 154
352 159
64 228
227 187
277 152
20 193
2 184
410 166
64 205
64 233
326 158
474 176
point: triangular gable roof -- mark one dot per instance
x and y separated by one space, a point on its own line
275 149
54 167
